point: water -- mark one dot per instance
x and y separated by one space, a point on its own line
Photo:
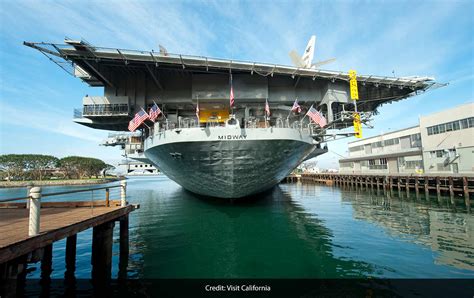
293 231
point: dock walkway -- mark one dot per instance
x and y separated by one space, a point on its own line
56 224
29 228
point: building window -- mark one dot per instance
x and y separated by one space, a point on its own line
364 163
430 130
391 142
377 145
378 164
414 164
401 161
456 125
415 140
356 148
451 126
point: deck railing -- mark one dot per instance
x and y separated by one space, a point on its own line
35 195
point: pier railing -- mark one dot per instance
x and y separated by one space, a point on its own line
36 196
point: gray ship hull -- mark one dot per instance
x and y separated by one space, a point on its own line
232 166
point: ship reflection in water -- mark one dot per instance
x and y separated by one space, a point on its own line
298 231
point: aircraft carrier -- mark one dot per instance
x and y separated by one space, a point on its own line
226 152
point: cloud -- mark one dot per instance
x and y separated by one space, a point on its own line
422 38
45 120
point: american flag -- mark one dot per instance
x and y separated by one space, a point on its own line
317 117
154 112
267 108
296 107
137 120
231 93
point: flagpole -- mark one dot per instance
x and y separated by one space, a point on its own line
296 100
162 111
197 107
232 90
306 114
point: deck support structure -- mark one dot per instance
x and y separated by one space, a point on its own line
102 251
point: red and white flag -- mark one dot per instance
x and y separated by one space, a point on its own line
139 118
317 117
267 108
296 107
154 112
231 97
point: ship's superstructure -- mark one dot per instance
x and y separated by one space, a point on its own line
219 150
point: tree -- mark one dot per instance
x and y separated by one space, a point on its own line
82 166
36 165
21 166
12 164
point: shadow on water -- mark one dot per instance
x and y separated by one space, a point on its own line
265 236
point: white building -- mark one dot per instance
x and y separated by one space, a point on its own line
442 143
134 167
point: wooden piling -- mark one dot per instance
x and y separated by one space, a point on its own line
427 187
465 186
407 186
124 247
417 185
47 263
71 244
451 189
438 189
102 251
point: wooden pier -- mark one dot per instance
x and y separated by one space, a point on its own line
452 186
27 234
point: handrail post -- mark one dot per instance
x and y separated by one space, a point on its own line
123 193
107 195
28 188
35 209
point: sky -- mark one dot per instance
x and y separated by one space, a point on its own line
37 98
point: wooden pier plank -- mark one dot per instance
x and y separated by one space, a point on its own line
56 224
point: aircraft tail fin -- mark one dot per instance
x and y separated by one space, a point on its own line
309 52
